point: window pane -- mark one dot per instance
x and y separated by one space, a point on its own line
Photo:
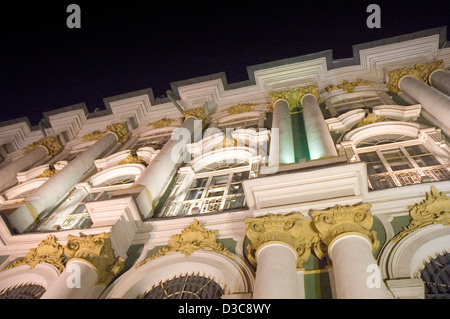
396 159
421 155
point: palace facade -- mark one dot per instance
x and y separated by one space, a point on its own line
315 179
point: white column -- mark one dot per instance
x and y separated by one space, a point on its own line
56 187
436 103
440 79
75 282
283 146
276 273
320 143
9 171
356 273
163 167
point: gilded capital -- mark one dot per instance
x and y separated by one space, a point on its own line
120 129
420 71
97 250
290 229
51 143
198 113
341 220
293 96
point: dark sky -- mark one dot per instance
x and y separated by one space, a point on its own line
124 46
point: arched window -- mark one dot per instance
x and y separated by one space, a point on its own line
185 287
436 276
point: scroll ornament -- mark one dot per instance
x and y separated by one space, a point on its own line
193 237
434 209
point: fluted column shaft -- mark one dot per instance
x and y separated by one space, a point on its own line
164 166
320 143
436 103
9 171
440 79
283 146
56 187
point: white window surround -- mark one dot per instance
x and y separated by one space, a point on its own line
146 153
347 120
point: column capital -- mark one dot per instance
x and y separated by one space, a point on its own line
339 221
50 143
98 252
119 129
419 71
293 96
291 230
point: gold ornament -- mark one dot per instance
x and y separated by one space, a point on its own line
290 229
420 71
370 119
51 143
341 220
131 159
97 250
120 129
240 108
48 251
193 237
347 86
434 209
162 123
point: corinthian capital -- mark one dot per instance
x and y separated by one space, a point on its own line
51 143
293 96
97 250
341 220
420 71
291 230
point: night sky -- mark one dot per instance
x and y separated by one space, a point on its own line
128 46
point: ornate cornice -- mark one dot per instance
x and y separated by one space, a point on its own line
97 250
290 229
370 119
347 86
193 237
51 143
434 209
420 71
293 96
335 222
48 251
120 129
